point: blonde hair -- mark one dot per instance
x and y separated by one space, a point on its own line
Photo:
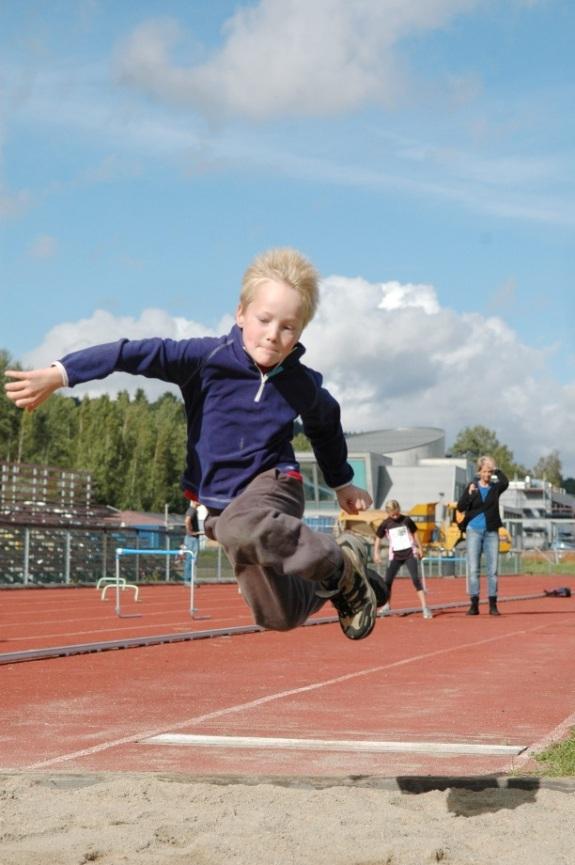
283 265
483 460
392 506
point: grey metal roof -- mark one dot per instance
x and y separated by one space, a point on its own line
387 441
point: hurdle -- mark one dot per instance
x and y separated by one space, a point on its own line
110 582
120 582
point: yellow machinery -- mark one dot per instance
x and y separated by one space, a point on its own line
435 537
446 535
365 523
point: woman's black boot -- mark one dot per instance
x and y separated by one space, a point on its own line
474 607
493 611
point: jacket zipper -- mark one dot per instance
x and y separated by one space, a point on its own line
264 376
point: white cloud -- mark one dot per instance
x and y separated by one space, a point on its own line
294 57
396 296
409 362
350 57
103 327
414 363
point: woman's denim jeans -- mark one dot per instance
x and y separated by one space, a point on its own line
488 543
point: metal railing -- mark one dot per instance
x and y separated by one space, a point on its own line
48 555
45 555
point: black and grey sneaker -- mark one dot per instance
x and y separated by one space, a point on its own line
353 597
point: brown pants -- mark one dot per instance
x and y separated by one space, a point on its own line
277 559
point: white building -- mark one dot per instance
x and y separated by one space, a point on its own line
544 514
407 464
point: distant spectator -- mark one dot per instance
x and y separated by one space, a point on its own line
481 523
404 549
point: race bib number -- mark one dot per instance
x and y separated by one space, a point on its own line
399 538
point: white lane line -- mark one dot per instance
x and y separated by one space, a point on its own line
268 742
280 695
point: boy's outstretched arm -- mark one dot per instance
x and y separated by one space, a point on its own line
31 388
353 499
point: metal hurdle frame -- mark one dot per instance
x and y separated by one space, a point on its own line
110 582
120 582
430 560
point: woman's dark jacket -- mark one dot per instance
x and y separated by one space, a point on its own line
472 504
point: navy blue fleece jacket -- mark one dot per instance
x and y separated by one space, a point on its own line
240 420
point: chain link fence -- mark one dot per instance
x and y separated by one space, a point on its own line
32 555
45 555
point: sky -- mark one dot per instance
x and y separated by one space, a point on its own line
421 154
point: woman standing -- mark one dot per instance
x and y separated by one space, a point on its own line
481 523
404 549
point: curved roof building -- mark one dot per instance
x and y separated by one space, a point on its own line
405 446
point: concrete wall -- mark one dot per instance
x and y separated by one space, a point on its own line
424 483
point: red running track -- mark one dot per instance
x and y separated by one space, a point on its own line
451 696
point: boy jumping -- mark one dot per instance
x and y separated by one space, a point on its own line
242 393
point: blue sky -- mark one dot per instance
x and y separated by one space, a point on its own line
421 154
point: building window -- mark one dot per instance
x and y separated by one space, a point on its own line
316 491
359 472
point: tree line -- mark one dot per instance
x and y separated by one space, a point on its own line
474 441
134 449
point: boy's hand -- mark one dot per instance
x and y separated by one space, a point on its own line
353 499
31 388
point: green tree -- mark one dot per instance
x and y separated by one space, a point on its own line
473 442
549 468
301 442
168 459
138 434
9 415
99 446
134 449
60 428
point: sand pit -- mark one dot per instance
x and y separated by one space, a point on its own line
126 819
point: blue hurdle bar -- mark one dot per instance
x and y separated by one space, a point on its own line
127 551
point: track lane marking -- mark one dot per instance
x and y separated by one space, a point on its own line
261 701
371 746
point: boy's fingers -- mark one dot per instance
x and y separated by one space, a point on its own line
23 394
16 392
363 504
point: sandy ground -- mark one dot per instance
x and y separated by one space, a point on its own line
173 820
